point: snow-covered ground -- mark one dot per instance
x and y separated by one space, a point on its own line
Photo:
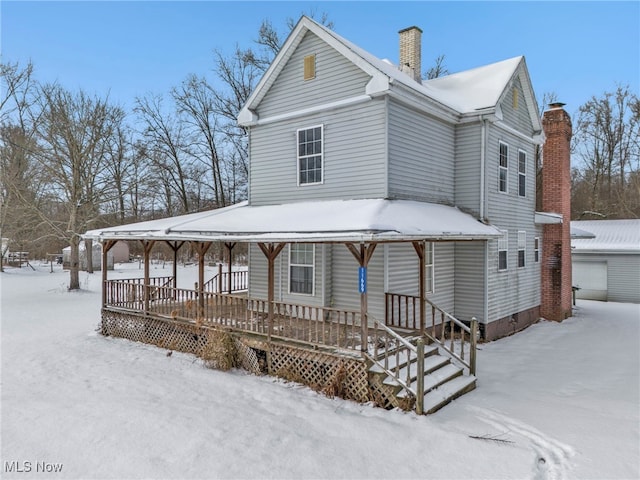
555 401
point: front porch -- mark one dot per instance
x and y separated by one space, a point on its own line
329 349
417 356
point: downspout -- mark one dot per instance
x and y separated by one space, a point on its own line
483 145
485 307
483 129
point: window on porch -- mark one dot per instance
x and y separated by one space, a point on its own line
301 268
429 267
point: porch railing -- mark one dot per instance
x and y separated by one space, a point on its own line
453 335
129 293
236 281
302 323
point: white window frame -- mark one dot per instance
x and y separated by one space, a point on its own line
312 266
299 157
503 246
503 170
522 173
536 249
522 249
429 264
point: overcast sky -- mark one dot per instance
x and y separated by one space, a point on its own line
575 49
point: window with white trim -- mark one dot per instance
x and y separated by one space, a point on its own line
522 173
503 250
536 249
522 248
310 148
503 167
429 271
301 268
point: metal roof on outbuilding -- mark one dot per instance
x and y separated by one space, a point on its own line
619 236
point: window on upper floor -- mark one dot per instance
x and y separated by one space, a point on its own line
522 173
429 277
503 250
522 248
301 268
310 148
503 167
536 249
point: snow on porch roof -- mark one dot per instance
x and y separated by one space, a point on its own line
321 221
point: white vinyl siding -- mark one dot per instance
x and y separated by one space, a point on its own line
421 156
518 117
310 155
335 79
522 248
503 167
353 149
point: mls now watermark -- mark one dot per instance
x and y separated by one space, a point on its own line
37 467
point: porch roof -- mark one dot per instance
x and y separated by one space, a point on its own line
319 221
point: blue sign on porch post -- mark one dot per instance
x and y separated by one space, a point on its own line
362 280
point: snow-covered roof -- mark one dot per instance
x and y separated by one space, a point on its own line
472 91
621 236
320 221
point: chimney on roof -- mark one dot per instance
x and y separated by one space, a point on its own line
411 52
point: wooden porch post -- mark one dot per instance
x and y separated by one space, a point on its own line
362 256
420 250
271 251
106 246
146 247
175 246
201 249
230 246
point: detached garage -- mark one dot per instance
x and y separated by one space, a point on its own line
607 266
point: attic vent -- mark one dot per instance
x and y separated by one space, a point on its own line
310 67
515 98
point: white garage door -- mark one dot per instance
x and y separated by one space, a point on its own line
591 278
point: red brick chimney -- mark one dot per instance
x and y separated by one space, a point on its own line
556 198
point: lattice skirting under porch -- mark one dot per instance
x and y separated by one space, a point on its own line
331 374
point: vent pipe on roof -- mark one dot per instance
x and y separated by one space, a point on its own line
411 52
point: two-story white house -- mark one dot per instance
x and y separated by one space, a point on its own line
330 121
384 213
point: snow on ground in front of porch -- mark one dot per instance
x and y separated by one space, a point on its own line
560 400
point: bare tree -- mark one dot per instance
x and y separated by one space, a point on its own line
606 144
439 69
74 138
167 149
195 100
18 183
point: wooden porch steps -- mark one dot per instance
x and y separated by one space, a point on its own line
444 381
